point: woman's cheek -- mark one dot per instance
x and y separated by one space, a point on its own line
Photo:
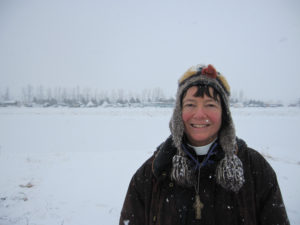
215 117
186 116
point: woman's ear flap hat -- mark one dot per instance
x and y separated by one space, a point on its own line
229 172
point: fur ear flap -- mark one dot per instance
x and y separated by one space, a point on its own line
182 171
230 174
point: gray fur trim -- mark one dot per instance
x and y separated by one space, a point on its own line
229 172
227 138
177 128
182 171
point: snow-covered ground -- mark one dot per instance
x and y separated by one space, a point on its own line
72 166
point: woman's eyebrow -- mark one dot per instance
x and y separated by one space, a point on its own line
189 100
211 100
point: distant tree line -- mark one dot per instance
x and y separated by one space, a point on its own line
78 97
86 97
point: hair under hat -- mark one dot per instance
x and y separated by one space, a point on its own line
229 172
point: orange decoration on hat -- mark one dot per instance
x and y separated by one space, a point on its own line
210 72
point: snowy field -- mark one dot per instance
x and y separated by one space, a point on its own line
63 166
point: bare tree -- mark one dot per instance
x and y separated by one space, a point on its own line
49 94
157 94
27 94
6 95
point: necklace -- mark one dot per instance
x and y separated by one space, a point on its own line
198 205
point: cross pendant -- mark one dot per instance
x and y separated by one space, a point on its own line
198 205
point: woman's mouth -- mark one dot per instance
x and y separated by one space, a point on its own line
199 125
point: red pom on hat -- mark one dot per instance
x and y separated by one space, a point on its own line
210 72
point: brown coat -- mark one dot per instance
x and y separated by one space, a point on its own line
153 198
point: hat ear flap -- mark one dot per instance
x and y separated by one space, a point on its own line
229 172
177 127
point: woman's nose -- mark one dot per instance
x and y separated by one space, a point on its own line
200 113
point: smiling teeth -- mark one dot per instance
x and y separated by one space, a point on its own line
199 125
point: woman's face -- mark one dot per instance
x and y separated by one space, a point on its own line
202 117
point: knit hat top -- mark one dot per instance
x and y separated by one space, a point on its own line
229 172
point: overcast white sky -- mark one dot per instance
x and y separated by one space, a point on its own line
137 44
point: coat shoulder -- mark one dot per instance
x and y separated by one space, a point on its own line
145 170
252 157
257 169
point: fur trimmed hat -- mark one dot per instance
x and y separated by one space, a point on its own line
229 172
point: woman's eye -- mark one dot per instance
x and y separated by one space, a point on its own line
189 105
211 105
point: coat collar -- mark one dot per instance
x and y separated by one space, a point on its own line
163 157
162 162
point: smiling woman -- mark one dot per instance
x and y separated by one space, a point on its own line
202 116
204 174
